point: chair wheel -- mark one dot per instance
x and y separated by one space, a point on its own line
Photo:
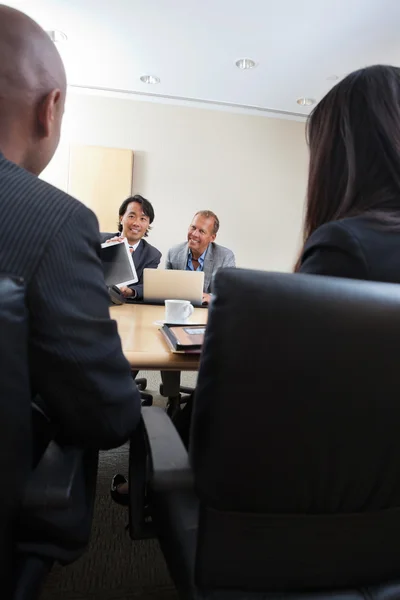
147 399
141 382
185 398
173 406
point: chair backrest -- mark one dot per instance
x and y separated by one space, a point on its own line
295 433
15 413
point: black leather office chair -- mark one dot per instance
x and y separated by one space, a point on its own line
45 514
55 517
294 492
15 416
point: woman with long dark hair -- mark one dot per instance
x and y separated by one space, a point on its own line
352 220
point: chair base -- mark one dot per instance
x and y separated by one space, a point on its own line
147 399
141 382
30 574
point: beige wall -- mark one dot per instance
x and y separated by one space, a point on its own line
250 170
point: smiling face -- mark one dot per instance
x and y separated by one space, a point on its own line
134 223
200 234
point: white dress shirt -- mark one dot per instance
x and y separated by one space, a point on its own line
135 245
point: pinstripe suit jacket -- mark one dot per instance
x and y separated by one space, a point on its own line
76 361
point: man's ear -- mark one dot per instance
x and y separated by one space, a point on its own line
48 112
214 235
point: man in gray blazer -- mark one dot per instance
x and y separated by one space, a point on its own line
200 252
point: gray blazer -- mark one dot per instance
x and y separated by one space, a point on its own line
216 257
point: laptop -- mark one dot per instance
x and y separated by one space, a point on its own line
164 284
118 265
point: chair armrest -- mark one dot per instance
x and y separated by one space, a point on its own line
50 484
169 461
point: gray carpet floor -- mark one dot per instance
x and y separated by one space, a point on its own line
114 567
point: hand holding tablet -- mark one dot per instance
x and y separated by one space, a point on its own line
118 265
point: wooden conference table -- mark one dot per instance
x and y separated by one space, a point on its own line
145 347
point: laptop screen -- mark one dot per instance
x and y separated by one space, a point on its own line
164 284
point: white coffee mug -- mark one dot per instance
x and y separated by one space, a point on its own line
178 311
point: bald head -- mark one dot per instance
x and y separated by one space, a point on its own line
32 91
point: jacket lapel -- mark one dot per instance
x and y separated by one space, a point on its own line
137 257
183 258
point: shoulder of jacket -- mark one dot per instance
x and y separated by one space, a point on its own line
220 249
340 233
49 204
150 247
178 247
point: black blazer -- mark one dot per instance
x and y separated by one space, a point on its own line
145 256
357 247
76 361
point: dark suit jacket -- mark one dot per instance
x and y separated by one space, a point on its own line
145 256
76 361
357 247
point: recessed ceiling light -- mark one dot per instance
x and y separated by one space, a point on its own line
245 63
57 36
151 79
305 101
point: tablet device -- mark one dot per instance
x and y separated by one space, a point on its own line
118 265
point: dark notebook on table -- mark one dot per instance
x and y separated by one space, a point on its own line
184 338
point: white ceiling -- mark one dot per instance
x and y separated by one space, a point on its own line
192 45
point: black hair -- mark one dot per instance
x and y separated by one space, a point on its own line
354 140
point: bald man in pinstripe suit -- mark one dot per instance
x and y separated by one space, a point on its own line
52 241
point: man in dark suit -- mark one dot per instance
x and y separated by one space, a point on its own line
52 241
136 215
